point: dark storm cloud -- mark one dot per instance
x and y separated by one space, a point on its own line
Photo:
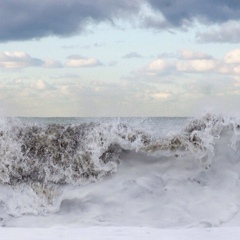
227 32
178 12
27 19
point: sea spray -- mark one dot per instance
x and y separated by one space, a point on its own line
45 165
76 154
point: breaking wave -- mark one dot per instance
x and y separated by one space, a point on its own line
79 154
38 161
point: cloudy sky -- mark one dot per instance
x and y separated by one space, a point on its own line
119 57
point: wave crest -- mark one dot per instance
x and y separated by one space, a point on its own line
84 153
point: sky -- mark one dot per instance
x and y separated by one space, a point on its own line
119 58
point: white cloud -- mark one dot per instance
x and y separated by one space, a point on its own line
196 65
189 55
236 70
18 60
230 69
15 60
41 85
156 67
233 56
161 95
195 62
191 61
76 61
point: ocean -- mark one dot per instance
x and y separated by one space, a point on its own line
120 172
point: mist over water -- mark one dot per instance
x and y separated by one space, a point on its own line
158 172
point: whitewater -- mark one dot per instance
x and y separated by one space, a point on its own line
123 178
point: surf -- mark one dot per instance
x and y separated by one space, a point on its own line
110 172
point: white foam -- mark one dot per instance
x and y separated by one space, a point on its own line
120 233
151 187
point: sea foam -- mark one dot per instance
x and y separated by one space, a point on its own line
115 172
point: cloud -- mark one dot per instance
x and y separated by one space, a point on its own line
157 67
132 55
77 61
18 60
189 55
199 62
233 56
201 65
179 13
28 19
152 22
195 62
226 32
42 85
161 95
